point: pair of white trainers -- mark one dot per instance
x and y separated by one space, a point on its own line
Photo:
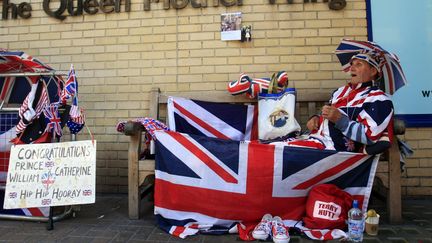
271 227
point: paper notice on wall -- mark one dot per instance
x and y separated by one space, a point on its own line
51 174
231 26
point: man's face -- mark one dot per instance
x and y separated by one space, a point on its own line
361 71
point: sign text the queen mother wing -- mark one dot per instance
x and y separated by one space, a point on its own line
51 174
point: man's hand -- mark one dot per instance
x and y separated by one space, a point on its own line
313 123
331 113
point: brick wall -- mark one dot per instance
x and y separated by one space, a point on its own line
417 178
119 57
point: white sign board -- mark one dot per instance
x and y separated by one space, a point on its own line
51 174
405 28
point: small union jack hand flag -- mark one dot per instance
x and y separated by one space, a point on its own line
71 86
53 120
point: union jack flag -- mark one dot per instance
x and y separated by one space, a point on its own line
48 179
211 119
71 86
77 117
46 201
149 124
209 184
53 120
17 61
49 164
87 192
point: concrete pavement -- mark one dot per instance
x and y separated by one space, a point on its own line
107 221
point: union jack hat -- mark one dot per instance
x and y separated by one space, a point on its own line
370 58
387 64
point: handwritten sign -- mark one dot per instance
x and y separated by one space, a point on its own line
51 174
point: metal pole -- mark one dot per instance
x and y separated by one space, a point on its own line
55 73
50 222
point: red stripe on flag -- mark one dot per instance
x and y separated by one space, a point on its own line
200 122
227 205
203 157
178 230
342 94
360 101
35 212
315 180
343 101
369 131
260 169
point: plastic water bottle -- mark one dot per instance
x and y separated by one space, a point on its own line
355 223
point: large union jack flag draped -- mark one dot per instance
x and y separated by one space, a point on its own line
211 119
208 184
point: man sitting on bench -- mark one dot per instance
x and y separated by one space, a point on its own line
359 113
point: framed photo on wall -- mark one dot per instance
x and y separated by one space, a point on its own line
231 26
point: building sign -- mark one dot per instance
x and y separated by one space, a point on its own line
51 174
63 8
405 28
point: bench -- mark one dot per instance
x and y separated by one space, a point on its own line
141 172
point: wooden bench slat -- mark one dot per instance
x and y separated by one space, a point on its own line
218 96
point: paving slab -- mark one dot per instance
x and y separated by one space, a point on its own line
107 221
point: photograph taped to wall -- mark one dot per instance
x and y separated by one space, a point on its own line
231 26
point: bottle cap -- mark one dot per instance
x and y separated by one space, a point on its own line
355 204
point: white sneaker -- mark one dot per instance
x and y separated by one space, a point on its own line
279 231
263 229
